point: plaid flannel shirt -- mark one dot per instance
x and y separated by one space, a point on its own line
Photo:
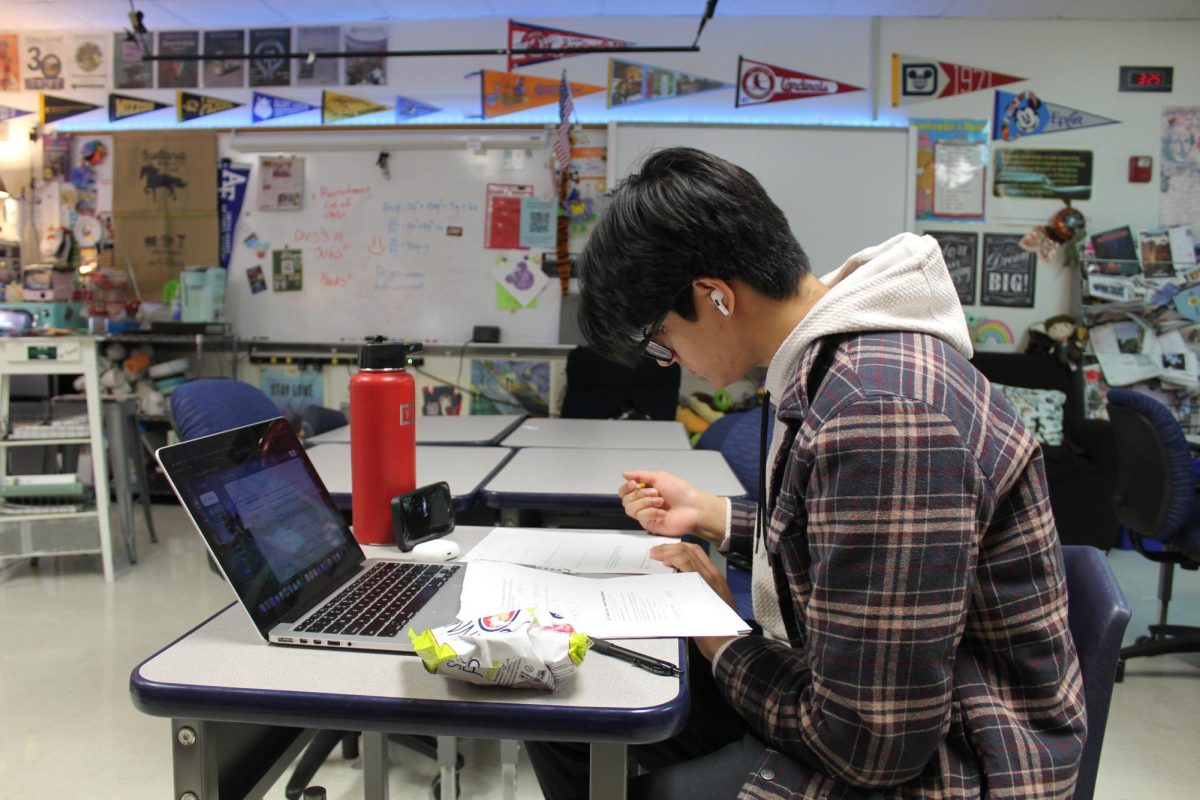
911 521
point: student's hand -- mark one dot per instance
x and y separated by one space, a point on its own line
669 506
692 558
687 557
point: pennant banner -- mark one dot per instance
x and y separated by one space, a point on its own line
336 107
267 106
508 92
1026 114
190 106
52 109
630 83
916 78
8 112
408 108
759 82
232 180
123 106
523 36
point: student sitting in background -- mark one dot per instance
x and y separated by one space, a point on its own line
907 573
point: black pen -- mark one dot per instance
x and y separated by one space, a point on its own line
642 660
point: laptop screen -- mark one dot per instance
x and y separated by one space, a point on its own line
258 502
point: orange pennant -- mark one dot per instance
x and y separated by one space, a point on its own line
508 92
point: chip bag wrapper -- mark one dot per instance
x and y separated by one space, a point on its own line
513 649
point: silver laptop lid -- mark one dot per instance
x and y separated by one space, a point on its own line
268 520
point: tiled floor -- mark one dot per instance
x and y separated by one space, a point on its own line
68 642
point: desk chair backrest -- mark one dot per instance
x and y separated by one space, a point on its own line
736 436
1156 487
600 389
1097 615
203 407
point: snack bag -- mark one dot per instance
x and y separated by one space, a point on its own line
512 649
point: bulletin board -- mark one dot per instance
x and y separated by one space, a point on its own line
842 188
401 256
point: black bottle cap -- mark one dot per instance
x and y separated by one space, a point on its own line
380 354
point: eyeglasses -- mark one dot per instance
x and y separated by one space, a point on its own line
651 348
645 340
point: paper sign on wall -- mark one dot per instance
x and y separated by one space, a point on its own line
537 222
280 183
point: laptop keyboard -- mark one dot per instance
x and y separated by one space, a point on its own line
381 601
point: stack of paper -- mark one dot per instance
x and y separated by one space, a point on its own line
656 602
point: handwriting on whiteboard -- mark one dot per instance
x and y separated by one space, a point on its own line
398 279
337 201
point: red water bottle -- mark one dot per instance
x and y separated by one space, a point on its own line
383 445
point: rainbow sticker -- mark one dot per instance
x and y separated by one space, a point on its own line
993 331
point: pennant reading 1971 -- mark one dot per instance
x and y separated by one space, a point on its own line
760 82
523 36
917 78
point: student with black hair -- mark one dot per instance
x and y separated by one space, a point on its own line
906 570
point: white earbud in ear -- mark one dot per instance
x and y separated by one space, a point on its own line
718 298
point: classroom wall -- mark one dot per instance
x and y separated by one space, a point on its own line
1073 63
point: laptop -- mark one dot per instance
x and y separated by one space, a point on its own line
288 553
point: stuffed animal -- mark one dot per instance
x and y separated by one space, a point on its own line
1057 337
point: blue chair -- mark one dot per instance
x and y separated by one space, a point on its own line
1096 615
1156 499
204 407
315 419
736 436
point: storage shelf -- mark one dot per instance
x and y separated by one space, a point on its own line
12 518
48 442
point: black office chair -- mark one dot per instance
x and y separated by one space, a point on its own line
1156 499
600 389
1096 615
203 407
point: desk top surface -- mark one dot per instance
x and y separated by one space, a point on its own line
479 430
583 477
464 468
223 670
599 434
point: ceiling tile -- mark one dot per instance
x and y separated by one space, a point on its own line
215 13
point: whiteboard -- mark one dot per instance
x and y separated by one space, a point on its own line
842 188
376 256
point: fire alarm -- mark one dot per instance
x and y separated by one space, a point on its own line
1139 169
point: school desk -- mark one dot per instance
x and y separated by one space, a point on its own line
598 434
585 480
469 430
464 468
241 709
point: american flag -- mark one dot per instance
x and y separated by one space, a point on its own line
562 142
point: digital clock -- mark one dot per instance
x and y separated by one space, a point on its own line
1146 79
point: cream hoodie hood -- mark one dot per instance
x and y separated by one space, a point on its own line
900 285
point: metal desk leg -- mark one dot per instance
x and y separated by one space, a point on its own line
115 422
510 750
375 765
447 756
134 448
215 760
607 780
